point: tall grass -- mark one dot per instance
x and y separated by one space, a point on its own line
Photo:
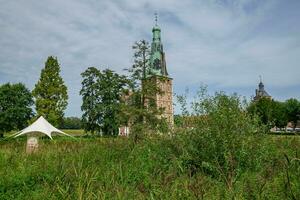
111 168
225 154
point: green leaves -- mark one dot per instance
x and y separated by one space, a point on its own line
15 106
276 113
293 110
264 108
101 94
220 137
50 92
141 60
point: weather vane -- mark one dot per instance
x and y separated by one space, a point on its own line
155 14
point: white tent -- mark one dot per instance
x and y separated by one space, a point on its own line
41 125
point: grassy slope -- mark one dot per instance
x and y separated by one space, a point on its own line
111 168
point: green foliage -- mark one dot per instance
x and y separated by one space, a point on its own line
50 93
182 101
110 168
293 110
140 111
90 100
275 113
279 114
15 107
141 61
142 120
101 94
224 141
265 109
71 123
227 144
178 120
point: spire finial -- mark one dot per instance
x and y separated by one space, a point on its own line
260 79
156 16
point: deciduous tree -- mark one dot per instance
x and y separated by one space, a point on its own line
264 109
90 100
279 114
102 92
292 107
15 107
71 123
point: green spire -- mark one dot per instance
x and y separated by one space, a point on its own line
157 56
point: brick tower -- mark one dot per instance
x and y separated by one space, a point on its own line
158 75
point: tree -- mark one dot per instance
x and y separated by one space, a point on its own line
224 140
292 107
279 114
139 68
141 60
102 92
50 92
90 100
263 108
71 123
111 88
15 107
141 111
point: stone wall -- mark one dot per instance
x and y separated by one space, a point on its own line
164 98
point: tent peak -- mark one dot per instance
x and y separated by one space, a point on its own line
41 125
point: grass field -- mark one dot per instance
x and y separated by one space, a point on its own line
73 132
115 168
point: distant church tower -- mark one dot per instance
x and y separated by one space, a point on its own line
157 74
261 92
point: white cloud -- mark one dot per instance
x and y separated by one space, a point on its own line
224 43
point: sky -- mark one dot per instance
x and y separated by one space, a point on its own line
224 44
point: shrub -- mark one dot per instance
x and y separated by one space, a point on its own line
225 141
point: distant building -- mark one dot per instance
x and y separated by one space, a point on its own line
261 92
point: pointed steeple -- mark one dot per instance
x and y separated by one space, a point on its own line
156 31
157 56
261 85
261 92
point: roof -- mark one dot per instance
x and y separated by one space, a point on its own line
41 125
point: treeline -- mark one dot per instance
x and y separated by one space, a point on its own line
71 123
226 154
49 96
271 113
275 113
109 100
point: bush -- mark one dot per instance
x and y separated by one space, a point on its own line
225 141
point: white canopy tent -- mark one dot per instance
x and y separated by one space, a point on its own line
41 125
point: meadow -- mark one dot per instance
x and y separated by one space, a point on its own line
225 154
154 168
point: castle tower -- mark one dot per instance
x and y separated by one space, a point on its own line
261 92
158 75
